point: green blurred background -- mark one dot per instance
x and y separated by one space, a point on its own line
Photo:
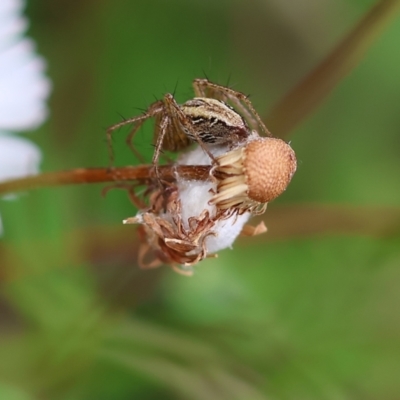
288 316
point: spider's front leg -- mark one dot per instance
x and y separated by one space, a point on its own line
161 130
156 110
184 130
136 122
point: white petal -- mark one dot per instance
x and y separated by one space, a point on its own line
10 7
15 56
11 30
12 25
18 157
23 87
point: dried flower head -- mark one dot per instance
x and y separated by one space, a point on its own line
254 174
190 220
181 227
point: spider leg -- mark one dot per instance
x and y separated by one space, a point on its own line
161 131
244 106
182 123
135 120
130 188
204 88
155 109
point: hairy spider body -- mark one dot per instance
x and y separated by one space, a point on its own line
214 121
217 115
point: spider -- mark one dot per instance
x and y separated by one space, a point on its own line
208 118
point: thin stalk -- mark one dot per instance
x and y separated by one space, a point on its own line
141 173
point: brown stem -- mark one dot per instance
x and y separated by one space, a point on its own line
141 173
317 85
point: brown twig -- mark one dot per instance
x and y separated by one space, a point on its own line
141 173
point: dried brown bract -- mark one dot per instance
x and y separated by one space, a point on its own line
166 238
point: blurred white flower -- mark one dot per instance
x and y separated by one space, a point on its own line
23 92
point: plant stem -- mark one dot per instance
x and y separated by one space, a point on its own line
141 173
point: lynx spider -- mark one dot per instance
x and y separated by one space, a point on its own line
208 118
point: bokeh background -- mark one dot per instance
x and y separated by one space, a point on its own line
299 313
